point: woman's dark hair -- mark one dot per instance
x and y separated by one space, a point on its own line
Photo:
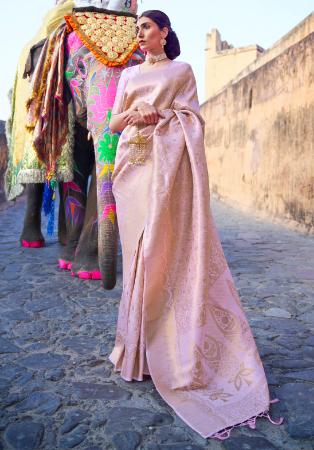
172 48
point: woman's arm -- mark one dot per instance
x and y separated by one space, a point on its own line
144 114
119 121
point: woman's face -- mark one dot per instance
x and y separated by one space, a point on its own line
149 35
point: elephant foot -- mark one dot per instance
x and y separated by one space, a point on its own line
85 265
31 237
33 244
64 265
87 275
66 257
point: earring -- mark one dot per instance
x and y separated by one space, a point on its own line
163 42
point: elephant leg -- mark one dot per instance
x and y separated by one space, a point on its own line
107 232
100 93
31 235
75 194
105 144
85 264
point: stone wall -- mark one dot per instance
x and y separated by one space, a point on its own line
297 34
260 136
3 158
223 62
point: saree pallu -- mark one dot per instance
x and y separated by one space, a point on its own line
180 317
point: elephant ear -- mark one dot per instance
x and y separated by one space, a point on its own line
96 3
123 5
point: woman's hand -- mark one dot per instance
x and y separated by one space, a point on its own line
149 114
134 118
145 114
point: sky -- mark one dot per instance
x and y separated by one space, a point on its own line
241 23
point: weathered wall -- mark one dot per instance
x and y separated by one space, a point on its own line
260 137
297 34
3 158
223 62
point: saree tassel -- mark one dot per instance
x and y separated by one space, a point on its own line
251 423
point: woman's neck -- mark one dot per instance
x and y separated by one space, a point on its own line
156 52
156 58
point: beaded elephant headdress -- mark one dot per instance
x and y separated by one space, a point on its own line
108 32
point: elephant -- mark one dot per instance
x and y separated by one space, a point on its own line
77 221
93 87
92 72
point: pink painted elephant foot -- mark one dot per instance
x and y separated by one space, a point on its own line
33 244
87 274
64 265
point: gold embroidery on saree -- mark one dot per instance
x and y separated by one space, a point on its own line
138 149
242 376
220 394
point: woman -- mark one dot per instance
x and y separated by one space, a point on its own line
180 318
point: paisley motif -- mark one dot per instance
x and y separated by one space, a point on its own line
227 322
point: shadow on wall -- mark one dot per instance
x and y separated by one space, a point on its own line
3 159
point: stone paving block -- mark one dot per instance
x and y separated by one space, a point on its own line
55 374
72 419
128 440
249 443
304 375
94 391
92 447
170 435
80 344
7 347
24 378
43 360
13 398
40 403
4 384
277 312
24 435
74 438
179 446
37 305
299 402
123 418
16 314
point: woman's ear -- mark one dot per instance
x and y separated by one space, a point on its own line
164 32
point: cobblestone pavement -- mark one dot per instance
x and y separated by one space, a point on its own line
59 391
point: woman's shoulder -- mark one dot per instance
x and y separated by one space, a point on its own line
129 71
182 66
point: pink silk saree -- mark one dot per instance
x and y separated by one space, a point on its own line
180 317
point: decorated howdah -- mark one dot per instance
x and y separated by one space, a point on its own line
111 37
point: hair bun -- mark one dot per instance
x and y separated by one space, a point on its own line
172 48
